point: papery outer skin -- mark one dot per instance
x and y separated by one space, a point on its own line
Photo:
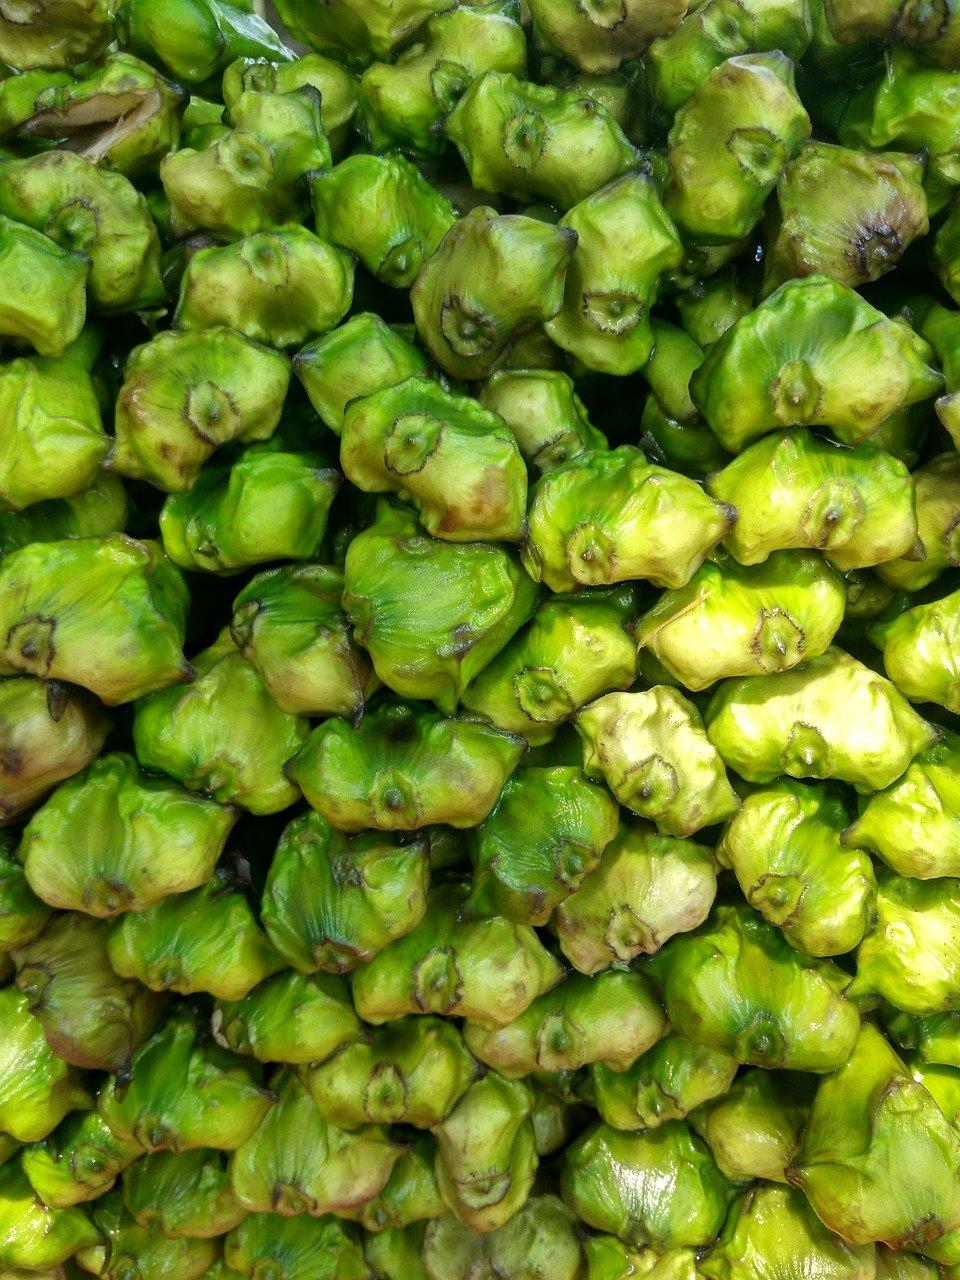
816 336
383 210
545 834
785 848
608 517
44 289
37 1089
54 441
355 31
249 179
486 1158
478 595
403 102
801 734
732 620
678 62
187 393
913 825
34 1236
491 278
728 145
768 1233
413 1071
291 1017
646 888
533 142
667 1082
48 731
90 1016
269 505
540 1242
205 940
544 412
660 1188
879 1160
625 243
360 357
103 508
159 1105
22 95
921 652
458 465
180 731
846 214
754 1130
651 750
336 85
289 624
332 903
54 596
737 986
124 116
89 210
296 1162
196 41
937 486
404 769
908 956
792 489
610 1018
487 970
281 288
574 650
113 840
78 1162
185 1195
